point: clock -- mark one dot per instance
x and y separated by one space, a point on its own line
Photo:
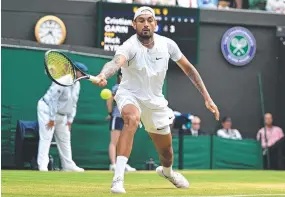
50 30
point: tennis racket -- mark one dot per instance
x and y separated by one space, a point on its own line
62 70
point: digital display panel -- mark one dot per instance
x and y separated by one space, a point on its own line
114 26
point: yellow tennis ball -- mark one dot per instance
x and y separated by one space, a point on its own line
106 94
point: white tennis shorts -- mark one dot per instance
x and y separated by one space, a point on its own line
154 120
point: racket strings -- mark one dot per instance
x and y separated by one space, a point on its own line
59 66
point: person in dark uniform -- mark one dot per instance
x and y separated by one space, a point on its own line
116 125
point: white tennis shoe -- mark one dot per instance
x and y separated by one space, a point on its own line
176 179
112 167
74 169
129 168
118 186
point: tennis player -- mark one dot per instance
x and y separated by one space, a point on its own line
144 61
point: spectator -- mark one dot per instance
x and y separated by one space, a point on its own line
146 2
277 6
166 2
227 4
257 4
273 133
227 131
195 127
213 4
120 1
157 2
188 3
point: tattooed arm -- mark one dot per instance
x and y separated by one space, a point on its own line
196 79
193 75
110 68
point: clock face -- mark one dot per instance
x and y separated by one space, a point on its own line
50 30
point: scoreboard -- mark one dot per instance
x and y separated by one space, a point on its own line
114 26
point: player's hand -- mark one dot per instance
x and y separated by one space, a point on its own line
69 125
50 124
213 108
102 80
108 117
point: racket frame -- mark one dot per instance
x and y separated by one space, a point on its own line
74 68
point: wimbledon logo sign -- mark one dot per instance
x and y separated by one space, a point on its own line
238 46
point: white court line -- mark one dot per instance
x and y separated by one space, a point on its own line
239 195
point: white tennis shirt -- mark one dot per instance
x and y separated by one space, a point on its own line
145 70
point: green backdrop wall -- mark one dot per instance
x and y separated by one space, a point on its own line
24 82
236 154
211 152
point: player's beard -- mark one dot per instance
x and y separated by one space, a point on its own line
144 36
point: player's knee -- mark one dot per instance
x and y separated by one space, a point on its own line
131 120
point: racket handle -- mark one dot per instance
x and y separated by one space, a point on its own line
94 79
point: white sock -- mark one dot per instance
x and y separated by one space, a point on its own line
120 166
167 171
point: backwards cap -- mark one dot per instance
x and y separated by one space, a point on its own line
142 10
81 66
